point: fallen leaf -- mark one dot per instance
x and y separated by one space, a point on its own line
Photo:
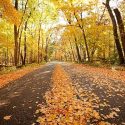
8 117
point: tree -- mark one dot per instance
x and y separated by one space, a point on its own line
115 32
16 39
121 27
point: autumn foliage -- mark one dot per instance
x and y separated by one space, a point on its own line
9 12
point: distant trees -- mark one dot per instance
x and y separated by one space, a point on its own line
28 36
94 40
39 34
12 15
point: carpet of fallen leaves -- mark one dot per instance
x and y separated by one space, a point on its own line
105 87
112 73
63 105
6 78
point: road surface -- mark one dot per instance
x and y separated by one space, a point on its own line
20 98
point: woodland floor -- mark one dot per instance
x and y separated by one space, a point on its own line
9 76
65 94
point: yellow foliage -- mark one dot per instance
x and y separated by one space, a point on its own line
9 12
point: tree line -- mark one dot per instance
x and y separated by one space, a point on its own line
34 31
94 32
25 38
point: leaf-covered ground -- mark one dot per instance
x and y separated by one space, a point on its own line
65 94
79 102
19 99
6 78
104 87
63 107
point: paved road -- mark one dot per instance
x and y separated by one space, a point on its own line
21 97
107 94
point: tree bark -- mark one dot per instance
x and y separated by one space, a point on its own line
46 50
39 38
86 44
84 36
121 27
77 49
72 51
25 44
16 39
115 32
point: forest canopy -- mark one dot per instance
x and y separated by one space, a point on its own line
34 31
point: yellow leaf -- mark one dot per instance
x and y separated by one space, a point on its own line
8 117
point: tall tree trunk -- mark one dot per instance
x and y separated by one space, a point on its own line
46 48
77 50
72 51
38 58
7 56
39 38
78 53
25 44
115 32
46 51
19 44
121 27
42 49
83 33
86 44
16 39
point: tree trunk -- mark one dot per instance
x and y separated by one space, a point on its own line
16 39
42 50
39 43
121 27
72 51
19 44
86 44
46 51
115 32
77 50
25 44
84 35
